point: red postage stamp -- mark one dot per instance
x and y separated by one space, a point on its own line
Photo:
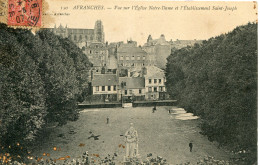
24 13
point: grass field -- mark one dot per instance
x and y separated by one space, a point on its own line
159 133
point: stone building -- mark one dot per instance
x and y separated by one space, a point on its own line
132 90
154 83
97 53
104 87
159 49
129 55
81 36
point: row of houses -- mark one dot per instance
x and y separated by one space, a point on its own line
123 71
147 85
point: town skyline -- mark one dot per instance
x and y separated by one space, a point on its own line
138 25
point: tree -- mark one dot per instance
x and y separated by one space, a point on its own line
41 79
217 80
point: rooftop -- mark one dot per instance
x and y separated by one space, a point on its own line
154 72
104 80
130 50
132 82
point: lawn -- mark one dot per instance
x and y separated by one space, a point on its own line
160 133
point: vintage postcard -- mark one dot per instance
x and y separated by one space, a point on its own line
89 82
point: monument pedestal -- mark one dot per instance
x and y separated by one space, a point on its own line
132 161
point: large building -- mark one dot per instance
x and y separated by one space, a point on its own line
105 87
159 49
154 83
97 53
131 88
129 55
81 36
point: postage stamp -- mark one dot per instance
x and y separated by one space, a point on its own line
24 13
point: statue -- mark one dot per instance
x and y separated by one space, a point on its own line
131 139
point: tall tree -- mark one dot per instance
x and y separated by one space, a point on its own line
217 80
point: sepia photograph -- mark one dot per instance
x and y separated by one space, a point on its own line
131 82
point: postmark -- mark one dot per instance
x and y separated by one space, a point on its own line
24 13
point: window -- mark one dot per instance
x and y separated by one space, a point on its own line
160 81
109 88
155 89
130 92
160 89
121 57
127 57
143 57
150 81
90 52
80 37
125 92
133 57
138 57
155 81
103 88
140 91
114 87
97 88
75 37
150 89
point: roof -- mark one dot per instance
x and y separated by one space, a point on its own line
104 80
132 82
130 50
95 61
154 72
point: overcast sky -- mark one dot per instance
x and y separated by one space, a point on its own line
120 25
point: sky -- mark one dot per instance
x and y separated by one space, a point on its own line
120 25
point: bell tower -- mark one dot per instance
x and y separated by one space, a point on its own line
99 35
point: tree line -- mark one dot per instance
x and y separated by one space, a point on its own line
42 77
217 80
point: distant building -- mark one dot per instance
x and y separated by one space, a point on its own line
129 55
112 62
81 36
159 49
112 54
105 86
134 88
97 53
178 44
154 83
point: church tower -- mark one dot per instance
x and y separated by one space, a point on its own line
99 35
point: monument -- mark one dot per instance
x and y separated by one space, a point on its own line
131 140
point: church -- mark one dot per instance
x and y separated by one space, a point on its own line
81 37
